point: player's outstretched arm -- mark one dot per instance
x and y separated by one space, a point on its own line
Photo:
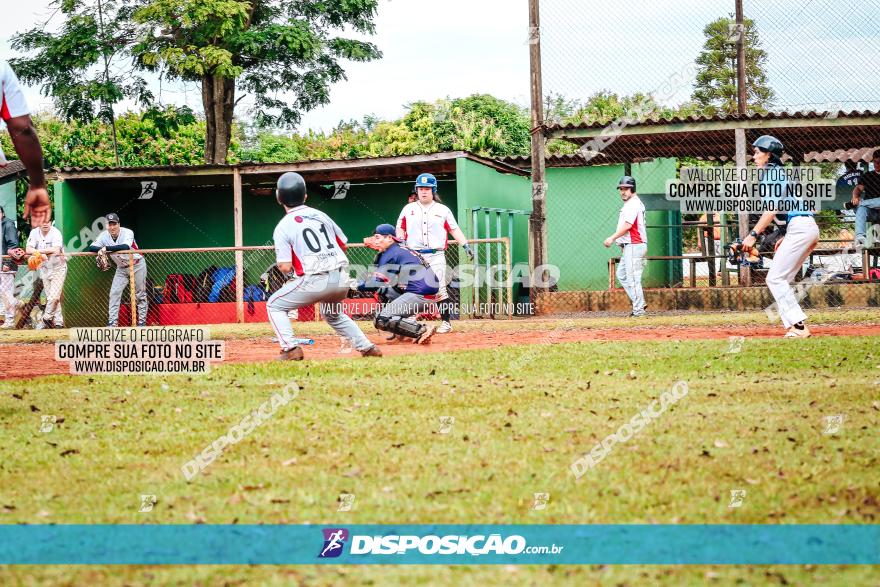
27 145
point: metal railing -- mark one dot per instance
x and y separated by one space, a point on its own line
212 285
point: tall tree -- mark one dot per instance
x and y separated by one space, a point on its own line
285 53
715 86
80 65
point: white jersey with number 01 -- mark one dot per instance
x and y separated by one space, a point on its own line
426 227
311 241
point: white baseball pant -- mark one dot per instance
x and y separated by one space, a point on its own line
53 284
800 238
629 274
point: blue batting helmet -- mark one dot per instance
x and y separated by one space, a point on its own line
426 180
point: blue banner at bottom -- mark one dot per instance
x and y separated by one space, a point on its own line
440 544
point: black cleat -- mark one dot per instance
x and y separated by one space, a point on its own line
373 351
294 354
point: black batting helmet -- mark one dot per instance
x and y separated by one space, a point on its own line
627 181
769 144
291 189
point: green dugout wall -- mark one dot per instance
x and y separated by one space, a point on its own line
582 210
194 208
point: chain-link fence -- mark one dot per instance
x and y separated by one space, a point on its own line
222 285
652 90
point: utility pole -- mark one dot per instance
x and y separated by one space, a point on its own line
538 218
740 133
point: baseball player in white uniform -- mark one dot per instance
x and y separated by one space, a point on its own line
425 226
114 240
309 244
632 238
801 238
47 241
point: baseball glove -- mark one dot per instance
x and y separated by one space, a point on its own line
102 260
746 256
34 261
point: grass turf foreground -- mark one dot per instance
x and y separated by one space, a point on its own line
752 420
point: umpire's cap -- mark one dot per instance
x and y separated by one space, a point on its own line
627 181
769 144
291 189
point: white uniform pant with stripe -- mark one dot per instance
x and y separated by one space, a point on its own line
629 274
53 283
7 289
328 289
437 261
800 238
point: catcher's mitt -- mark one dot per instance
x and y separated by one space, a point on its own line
102 260
34 261
746 256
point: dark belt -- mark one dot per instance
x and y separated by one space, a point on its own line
429 251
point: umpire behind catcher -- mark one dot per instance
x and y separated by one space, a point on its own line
113 240
406 285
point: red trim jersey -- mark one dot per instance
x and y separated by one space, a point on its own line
311 241
12 102
632 212
426 227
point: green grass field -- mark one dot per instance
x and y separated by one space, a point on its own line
752 420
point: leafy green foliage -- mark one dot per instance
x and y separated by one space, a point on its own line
272 49
69 63
283 52
715 87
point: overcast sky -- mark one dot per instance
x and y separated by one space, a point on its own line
819 52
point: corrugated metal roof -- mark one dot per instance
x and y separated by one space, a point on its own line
304 166
806 114
13 170
569 160
714 137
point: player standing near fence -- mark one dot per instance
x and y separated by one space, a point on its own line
800 239
309 245
632 238
46 247
8 243
425 226
115 240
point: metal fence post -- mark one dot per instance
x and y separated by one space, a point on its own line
131 289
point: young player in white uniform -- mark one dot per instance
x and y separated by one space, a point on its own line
801 237
114 240
15 113
47 241
632 237
425 226
309 244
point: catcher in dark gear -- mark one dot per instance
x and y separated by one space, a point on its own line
404 283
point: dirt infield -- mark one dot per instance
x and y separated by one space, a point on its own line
41 356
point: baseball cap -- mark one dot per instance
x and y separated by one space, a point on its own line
111 217
387 230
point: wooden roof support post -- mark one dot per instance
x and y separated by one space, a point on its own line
239 242
538 218
745 274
